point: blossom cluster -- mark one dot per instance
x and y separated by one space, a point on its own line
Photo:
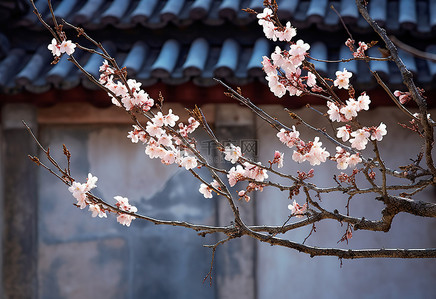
297 210
403 96
124 205
361 136
164 145
129 96
347 112
232 153
278 159
79 192
207 191
343 79
360 51
246 171
283 71
67 46
311 151
250 188
345 159
271 31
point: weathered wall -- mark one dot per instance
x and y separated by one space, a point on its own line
284 273
85 257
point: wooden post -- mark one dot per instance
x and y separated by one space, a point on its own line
235 263
20 206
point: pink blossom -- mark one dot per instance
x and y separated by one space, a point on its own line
206 191
360 52
276 87
350 110
189 162
277 57
333 112
125 219
255 172
342 79
165 140
289 138
278 159
298 157
293 91
169 157
67 47
267 66
141 98
354 159
158 119
243 194
97 211
403 97
264 16
124 205
170 119
269 30
289 32
360 139
235 175
152 151
127 102
78 191
363 101
215 184
311 79
317 154
134 85
297 210
232 153
193 124
133 136
342 162
379 132
90 182
343 133
153 129
299 48
54 47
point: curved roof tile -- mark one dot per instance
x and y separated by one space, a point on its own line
164 65
85 14
136 58
197 56
39 60
407 14
94 14
143 11
228 59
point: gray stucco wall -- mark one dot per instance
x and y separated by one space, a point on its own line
85 257
283 273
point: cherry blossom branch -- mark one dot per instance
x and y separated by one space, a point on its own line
214 247
366 58
391 95
344 253
408 81
315 213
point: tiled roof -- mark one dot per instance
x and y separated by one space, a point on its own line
415 16
207 39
